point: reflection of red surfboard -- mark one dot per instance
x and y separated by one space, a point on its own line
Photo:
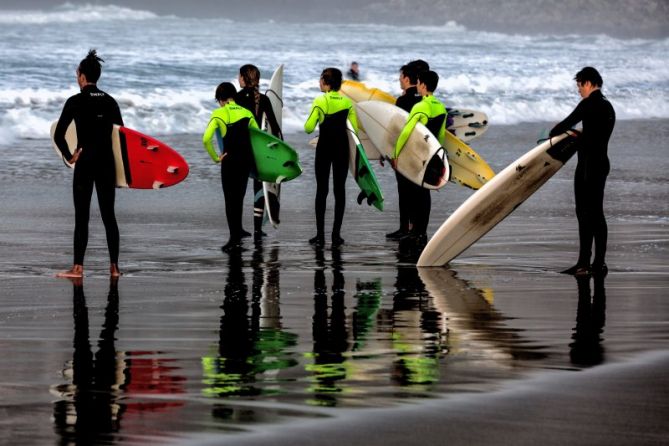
142 162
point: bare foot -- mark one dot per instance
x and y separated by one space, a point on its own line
75 272
114 271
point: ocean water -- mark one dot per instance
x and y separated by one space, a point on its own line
163 69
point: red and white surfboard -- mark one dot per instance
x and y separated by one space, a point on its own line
142 162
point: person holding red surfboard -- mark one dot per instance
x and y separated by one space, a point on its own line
94 113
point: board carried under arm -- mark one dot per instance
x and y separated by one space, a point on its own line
362 171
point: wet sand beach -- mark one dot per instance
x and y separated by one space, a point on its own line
281 343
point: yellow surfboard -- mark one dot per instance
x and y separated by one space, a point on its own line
467 167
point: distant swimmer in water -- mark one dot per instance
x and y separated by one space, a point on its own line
330 111
257 103
94 112
233 122
354 71
598 118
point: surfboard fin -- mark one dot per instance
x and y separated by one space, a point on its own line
272 145
172 170
362 196
157 184
152 148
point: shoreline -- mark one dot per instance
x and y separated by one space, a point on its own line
611 404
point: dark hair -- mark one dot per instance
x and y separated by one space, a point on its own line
589 74
412 69
251 75
332 77
225 91
90 66
430 79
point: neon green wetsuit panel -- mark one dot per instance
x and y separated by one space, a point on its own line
328 104
220 119
428 108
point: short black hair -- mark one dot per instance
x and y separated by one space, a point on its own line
589 74
332 77
90 66
412 69
225 91
430 79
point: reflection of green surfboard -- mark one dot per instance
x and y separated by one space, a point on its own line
275 160
362 171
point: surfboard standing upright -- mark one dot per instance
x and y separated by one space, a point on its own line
142 162
488 206
272 191
362 171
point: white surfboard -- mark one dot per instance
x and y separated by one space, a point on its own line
467 124
272 191
422 161
483 210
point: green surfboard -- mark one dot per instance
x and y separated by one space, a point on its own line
362 172
276 161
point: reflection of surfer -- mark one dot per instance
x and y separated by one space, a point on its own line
330 334
259 104
598 118
233 122
94 113
330 111
587 350
95 405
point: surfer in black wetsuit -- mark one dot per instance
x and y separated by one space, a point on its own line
409 194
259 104
598 118
94 112
354 71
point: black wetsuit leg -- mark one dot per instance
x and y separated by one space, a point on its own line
85 177
404 196
105 187
234 179
339 175
592 227
258 205
421 206
323 162
82 191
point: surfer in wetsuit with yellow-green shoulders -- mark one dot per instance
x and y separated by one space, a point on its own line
233 122
330 111
431 113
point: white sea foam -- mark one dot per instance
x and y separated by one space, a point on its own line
70 13
164 75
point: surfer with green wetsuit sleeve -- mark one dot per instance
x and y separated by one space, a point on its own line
330 111
233 122
431 113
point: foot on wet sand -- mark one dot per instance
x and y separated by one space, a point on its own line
574 269
337 241
114 271
599 269
233 243
319 240
75 272
246 233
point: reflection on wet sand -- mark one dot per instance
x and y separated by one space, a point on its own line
586 348
474 326
330 334
252 347
103 385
